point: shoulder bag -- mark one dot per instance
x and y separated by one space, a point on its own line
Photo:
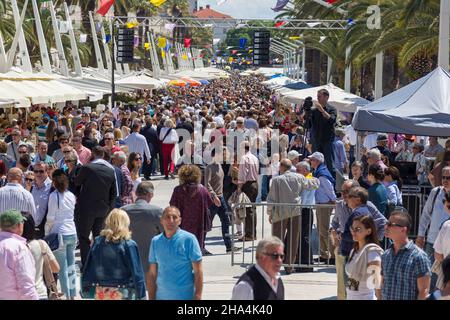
49 280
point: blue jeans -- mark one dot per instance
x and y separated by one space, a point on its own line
65 256
224 220
429 250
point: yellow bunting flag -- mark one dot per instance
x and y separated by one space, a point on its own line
147 45
295 38
131 25
250 51
184 57
162 43
163 53
230 60
157 3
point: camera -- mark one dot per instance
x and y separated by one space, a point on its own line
308 104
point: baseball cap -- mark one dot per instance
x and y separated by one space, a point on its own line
382 137
293 154
318 156
10 218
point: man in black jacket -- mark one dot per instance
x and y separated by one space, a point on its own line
151 136
263 281
322 121
97 198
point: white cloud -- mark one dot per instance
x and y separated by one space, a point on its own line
243 9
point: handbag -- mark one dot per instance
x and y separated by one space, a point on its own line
49 280
52 240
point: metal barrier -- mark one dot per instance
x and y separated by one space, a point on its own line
414 199
290 232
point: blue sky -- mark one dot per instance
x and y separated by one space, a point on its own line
243 9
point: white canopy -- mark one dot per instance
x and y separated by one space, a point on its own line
278 82
420 108
340 99
139 81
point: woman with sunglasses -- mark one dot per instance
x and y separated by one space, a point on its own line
364 263
134 164
28 180
442 243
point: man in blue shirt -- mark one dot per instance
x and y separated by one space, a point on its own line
405 268
175 262
324 195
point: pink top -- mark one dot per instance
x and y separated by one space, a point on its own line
248 168
84 154
17 269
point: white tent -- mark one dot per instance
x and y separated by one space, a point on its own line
278 82
139 81
420 108
340 99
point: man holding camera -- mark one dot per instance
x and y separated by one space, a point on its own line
320 117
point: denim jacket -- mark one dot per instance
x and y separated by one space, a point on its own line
112 264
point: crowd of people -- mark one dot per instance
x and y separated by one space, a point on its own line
82 179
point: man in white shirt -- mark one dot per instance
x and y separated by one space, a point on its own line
263 281
136 142
15 196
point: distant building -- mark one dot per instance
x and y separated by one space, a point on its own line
193 5
220 30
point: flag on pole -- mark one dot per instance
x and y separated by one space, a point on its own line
157 3
280 5
104 7
170 26
187 42
242 42
162 43
279 24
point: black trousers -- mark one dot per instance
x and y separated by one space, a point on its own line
305 238
250 188
86 224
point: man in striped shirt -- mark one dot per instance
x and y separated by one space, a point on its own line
136 142
40 130
15 196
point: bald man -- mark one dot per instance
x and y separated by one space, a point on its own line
15 196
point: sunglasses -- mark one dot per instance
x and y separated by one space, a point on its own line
38 171
275 256
22 152
64 142
107 139
393 224
137 159
66 151
445 178
28 179
355 229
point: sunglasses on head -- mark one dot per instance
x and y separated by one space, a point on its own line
275 256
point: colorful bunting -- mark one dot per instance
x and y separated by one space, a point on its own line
279 24
162 43
157 3
163 53
184 57
280 5
147 46
104 7
107 38
295 38
131 25
170 26
187 42
242 42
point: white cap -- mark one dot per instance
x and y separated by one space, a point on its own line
318 156
293 154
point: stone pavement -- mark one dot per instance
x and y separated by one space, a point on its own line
220 276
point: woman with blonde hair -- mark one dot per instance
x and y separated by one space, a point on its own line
193 200
113 269
168 137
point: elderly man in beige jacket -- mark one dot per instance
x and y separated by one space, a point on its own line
286 188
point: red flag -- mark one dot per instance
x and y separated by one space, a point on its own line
187 42
280 24
331 1
104 6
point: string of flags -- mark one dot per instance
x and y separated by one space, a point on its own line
157 3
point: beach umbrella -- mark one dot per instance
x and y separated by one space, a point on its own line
177 83
191 82
204 82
